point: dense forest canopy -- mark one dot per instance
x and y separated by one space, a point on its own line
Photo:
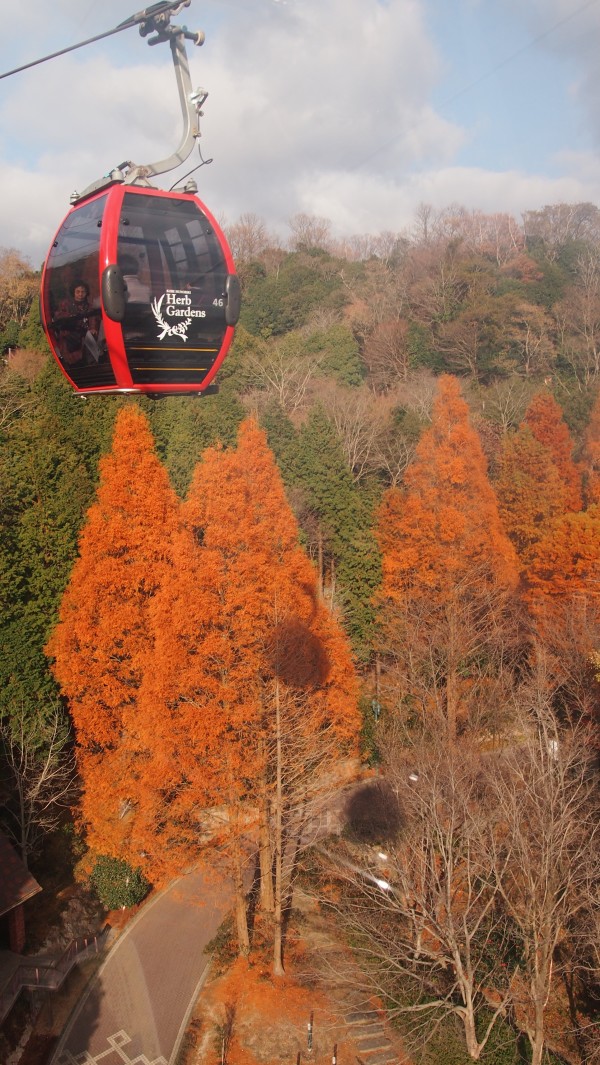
400 476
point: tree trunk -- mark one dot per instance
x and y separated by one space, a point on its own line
539 988
265 855
451 704
241 916
278 969
320 561
468 1019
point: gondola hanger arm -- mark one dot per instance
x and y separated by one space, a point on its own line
157 20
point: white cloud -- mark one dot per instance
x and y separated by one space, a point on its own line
322 106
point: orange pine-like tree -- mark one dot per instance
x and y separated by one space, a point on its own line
254 685
566 564
563 594
102 643
448 567
545 419
531 492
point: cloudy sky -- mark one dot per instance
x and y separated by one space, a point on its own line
356 110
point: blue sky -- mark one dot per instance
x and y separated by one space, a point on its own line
356 110
510 91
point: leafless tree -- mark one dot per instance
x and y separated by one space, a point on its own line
423 909
506 402
544 844
488 887
249 238
387 353
285 370
39 776
14 396
558 223
310 231
578 320
531 331
360 420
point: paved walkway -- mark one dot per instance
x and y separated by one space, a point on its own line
137 1007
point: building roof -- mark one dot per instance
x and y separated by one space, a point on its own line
16 882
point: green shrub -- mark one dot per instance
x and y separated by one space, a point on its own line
117 883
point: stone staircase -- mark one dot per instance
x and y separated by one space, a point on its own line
368 1032
366 1026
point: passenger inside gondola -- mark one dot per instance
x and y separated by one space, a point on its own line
77 323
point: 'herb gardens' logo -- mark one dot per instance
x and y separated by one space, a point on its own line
177 304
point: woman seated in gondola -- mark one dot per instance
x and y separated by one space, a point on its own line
77 325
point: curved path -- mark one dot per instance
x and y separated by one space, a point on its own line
137 1007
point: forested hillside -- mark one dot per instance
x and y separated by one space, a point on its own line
386 522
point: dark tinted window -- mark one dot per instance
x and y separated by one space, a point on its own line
175 272
72 297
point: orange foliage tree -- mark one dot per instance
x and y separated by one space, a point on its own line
530 490
448 569
563 594
103 639
253 694
545 419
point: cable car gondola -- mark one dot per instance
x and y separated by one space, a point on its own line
139 290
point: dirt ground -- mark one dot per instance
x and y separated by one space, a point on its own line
245 1016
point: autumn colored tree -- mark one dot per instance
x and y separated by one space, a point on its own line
531 493
448 567
545 419
103 640
567 561
255 686
563 582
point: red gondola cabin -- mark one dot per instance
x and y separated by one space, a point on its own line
139 293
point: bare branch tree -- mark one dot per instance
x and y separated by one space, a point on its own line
544 844
285 371
39 776
360 420
424 911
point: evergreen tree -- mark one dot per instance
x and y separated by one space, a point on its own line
344 520
184 426
47 471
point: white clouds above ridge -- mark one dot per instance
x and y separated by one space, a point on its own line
323 106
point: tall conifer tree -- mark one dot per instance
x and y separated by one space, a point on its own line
103 641
254 686
531 492
448 567
345 520
545 419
